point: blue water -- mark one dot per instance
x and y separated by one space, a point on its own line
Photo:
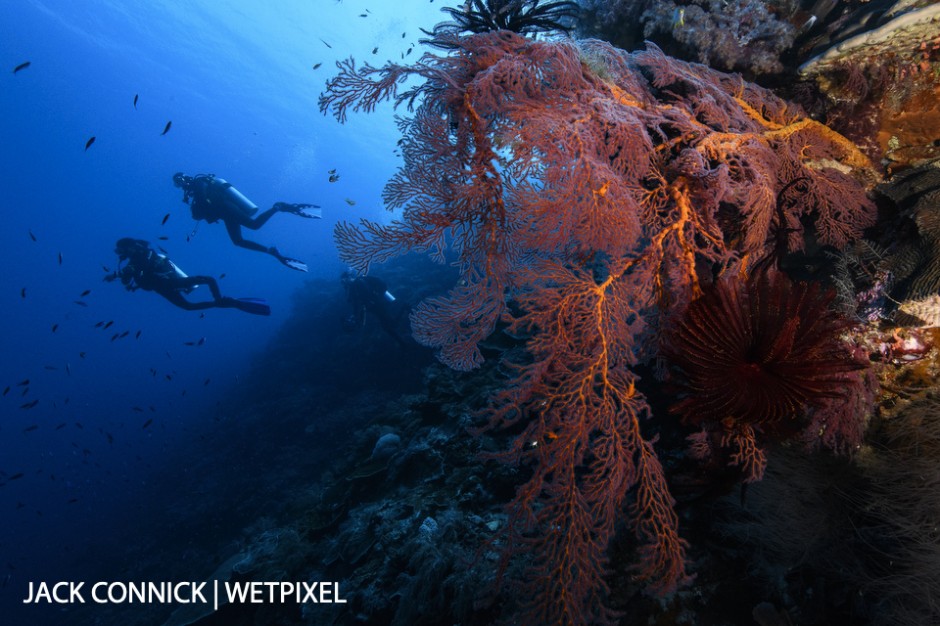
236 79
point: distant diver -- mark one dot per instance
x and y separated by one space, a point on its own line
142 267
368 294
213 199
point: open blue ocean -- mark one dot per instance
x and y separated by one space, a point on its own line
122 456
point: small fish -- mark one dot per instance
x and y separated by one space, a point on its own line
206 383
124 334
85 293
108 325
201 341
107 270
115 336
68 370
60 426
334 178
147 423
72 501
31 428
79 425
50 368
25 391
163 238
189 343
403 35
324 43
137 409
21 66
7 390
89 142
350 202
60 258
165 218
55 327
135 99
99 324
23 292
317 65
16 476
678 17
29 405
32 236
363 15
408 51
80 303
222 275
23 383
82 355
137 335
166 128
375 50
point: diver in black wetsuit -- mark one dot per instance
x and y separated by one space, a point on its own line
213 199
370 294
142 267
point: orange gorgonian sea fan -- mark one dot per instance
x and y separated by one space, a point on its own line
595 191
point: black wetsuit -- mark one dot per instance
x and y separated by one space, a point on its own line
207 203
368 293
151 271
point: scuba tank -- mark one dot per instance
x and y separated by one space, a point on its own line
389 296
165 261
232 199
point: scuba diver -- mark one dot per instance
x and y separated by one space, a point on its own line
142 267
370 294
212 199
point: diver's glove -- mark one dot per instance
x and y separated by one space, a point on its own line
294 264
303 210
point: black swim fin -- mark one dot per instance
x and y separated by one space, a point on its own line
303 210
255 306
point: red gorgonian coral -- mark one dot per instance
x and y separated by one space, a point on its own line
595 190
754 358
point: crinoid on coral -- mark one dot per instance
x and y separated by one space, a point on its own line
525 17
914 257
753 358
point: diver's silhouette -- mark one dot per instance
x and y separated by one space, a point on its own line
368 294
142 267
212 199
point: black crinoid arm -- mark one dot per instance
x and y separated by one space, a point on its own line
526 17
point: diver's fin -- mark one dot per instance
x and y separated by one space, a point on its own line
310 212
303 210
255 306
294 264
